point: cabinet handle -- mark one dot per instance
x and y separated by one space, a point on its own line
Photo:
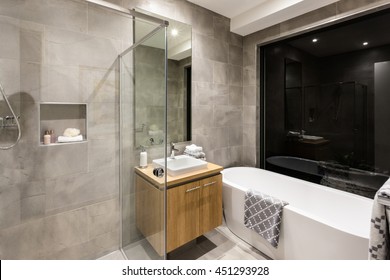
208 184
193 189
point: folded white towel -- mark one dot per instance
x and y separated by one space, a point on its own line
155 132
65 139
193 153
194 148
71 132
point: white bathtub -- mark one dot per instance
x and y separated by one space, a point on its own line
319 222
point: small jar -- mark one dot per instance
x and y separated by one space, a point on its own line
46 138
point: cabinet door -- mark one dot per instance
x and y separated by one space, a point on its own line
183 214
210 209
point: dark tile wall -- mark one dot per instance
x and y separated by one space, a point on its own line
251 85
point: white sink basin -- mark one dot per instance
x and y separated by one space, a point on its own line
310 137
180 164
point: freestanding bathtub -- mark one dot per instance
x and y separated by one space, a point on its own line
319 222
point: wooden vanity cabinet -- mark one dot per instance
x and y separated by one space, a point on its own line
192 210
193 206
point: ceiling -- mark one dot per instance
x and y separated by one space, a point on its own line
248 16
179 44
348 37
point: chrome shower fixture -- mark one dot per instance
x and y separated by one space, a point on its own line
9 121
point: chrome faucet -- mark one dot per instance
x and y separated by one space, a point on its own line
173 149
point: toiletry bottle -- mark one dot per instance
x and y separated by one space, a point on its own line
143 158
46 138
52 136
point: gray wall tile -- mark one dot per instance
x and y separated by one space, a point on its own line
202 70
31 45
65 230
71 15
51 55
221 28
235 75
79 49
103 218
235 39
227 116
220 73
210 48
235 55
104 23
235 136
9 206
202 21
235 95
9 48
24 241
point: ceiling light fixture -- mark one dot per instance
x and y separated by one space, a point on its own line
174 32
365 43
315 40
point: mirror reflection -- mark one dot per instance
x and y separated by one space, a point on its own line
327 121
149 81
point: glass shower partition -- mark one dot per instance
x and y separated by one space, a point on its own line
143 126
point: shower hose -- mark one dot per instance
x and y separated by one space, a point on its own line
15 118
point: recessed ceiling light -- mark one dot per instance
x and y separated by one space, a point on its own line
315 40
365 43
174 32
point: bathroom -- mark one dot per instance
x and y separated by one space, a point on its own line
61 58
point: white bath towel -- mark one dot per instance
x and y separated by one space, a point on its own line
263 214
65 139
71 132
194 154
379 247
194 148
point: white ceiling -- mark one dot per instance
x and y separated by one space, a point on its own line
248 16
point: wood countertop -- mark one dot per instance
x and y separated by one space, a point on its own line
147 174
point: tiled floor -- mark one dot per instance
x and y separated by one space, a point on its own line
218 244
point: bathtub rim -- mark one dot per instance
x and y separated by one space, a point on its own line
296 209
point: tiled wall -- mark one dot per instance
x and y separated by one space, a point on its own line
251 83
216 78
61 201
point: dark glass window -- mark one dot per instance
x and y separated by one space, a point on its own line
325 99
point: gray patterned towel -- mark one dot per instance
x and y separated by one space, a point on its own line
379 231
263 214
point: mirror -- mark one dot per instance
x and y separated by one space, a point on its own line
149 85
